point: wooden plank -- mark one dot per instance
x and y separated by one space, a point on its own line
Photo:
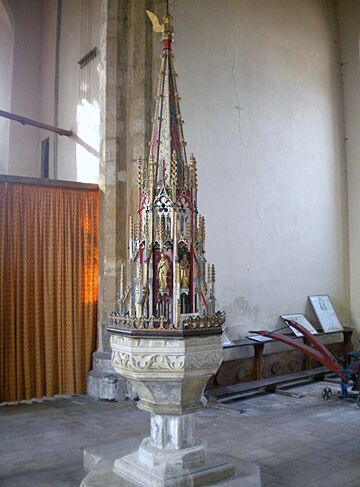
264 383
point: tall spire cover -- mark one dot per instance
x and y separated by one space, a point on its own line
168 287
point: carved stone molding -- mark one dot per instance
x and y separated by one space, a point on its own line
203 360
169 374
148 361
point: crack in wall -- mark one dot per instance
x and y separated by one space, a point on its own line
238 109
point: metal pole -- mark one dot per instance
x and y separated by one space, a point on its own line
34 123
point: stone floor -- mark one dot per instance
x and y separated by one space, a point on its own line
298 441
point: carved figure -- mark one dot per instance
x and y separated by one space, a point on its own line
163 270
184 268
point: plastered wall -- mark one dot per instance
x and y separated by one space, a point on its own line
33 93
6 54
24 157
349 18
68 86
262 102
72 158
47 75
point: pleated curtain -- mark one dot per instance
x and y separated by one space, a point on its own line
48 289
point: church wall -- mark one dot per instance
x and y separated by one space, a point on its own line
79 110
349 19
24 157
33 88
75 158
126 101
262 103
68 86
6 54
48 45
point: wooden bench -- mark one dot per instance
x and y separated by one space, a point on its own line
260 370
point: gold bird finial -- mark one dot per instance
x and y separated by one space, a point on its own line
166 27
155 22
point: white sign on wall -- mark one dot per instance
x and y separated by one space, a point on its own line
325 313
301 319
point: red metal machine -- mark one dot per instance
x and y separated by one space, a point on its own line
316 350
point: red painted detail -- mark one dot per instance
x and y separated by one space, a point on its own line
166 44
186 195
313 341
144 200
191 279
175 129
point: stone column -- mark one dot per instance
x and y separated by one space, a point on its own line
170 375
139 94
103 382
170 454
125 101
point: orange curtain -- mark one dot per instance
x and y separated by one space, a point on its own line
48 289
